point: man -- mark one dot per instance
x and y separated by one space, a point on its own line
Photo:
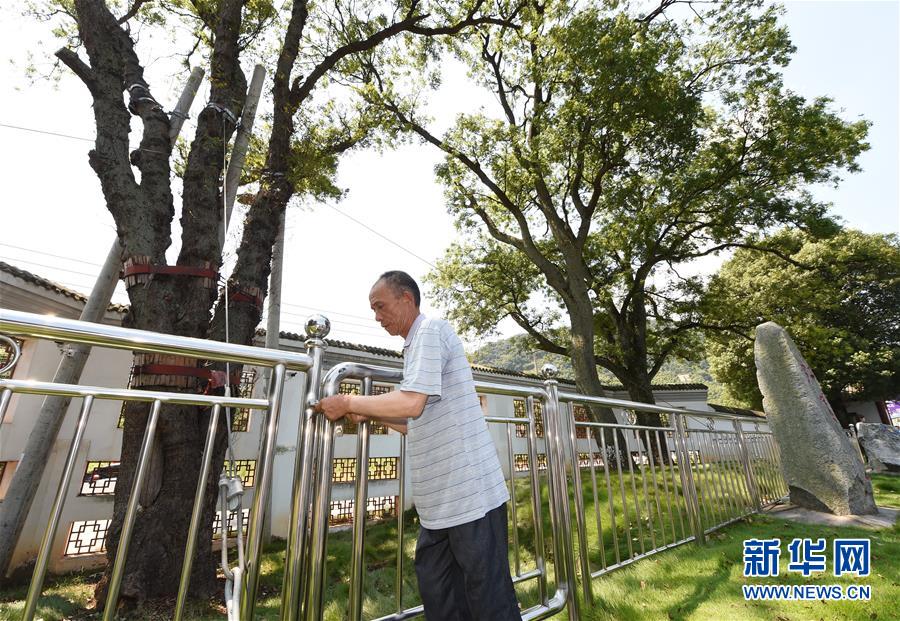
457 484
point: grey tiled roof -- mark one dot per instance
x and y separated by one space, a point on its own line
727 409
55 287
293 336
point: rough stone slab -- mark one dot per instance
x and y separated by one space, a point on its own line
823 470
881 444
885 518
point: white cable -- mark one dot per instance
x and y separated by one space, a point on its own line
232 576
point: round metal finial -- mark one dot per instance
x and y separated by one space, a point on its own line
317 327
549 371
14 357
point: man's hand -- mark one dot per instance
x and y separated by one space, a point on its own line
335 407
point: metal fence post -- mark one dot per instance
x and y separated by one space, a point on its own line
559 493
357 562
687 479
748 466
579 507
292 595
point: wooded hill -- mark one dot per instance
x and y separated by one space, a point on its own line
513 353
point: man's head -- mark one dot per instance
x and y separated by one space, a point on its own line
395 300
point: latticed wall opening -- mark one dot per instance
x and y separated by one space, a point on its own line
581 416
584 460
245 469
377 507
99 478
380 469
87 537
240 418
6 354
232 523
343 470
121 422
353 388
520 411
521 462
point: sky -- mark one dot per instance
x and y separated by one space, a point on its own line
55 224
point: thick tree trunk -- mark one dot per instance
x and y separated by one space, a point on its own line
640 390
581 352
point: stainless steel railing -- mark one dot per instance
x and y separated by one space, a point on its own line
649 488
45 327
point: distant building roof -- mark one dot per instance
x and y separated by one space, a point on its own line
379 351
55 287
727 409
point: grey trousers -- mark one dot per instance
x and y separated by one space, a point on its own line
463 571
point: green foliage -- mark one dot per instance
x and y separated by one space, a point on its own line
839 300
621 150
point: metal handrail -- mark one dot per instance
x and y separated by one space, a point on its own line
723 474
18 323
67 330
317 534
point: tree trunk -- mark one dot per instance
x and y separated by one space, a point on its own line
581 352
640 390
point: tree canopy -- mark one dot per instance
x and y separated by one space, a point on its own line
839 298
623 145
312 51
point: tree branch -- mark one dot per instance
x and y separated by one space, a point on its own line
80 68
132 11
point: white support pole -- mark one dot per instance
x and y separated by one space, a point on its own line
241 145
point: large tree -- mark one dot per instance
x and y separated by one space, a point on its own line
839 298
623 146
312 44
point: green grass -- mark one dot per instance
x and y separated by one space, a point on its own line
686 582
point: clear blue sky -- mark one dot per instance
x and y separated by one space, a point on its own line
850 51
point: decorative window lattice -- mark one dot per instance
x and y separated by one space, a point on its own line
87 537
630 417
380 469
584 460
240 419
520 411
100 478
352 388
121 422
343 470
232 523
521 463
376 508
246 470
581 416
6 353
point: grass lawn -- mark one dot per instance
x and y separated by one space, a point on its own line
687 582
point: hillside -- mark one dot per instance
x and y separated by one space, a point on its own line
514 353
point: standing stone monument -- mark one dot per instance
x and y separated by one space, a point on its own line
882 446
822 469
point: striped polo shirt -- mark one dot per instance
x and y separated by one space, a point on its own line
456 475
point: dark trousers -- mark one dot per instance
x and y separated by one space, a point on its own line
463 571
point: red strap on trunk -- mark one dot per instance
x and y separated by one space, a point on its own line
215 379
173 270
